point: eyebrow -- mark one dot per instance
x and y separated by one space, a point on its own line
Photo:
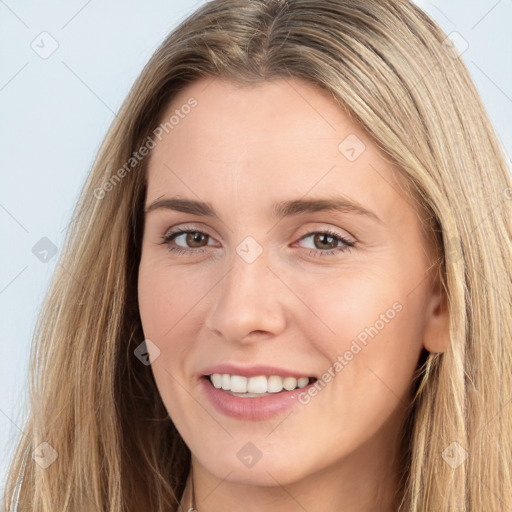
280 210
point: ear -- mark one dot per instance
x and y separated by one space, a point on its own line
437 321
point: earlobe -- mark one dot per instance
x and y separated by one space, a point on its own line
436 335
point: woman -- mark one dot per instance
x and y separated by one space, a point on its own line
201 348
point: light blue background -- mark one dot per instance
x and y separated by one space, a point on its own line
55 112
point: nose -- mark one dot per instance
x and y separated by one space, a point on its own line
250 302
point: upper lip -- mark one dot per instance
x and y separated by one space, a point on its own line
251 371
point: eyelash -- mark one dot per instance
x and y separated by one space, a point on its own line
168 238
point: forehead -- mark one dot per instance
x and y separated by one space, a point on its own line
283 113
273 140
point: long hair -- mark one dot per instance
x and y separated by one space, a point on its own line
391 68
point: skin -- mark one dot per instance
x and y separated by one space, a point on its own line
241 149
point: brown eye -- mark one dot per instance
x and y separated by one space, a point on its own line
194 238
189 241
325 241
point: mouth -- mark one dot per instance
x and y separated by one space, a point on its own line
251 393
254 398
257 386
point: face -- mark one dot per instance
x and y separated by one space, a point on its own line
246 271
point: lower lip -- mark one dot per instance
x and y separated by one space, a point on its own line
251 408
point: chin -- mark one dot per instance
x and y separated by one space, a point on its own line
260 475
242 463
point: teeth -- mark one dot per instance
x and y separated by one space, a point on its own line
257 385
216 379
289 383
274 384
302 382
238 384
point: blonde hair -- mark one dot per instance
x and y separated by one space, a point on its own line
390 67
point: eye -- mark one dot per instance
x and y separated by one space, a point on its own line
195 239
329 238
192 237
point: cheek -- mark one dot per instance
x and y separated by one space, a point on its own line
171 305
369 326
159 309
361 304
166 297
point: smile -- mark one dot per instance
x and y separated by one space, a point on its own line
261 385
253 397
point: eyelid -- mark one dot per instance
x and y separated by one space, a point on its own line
183 230
172 234
180 228
194 226
335 231
308 231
